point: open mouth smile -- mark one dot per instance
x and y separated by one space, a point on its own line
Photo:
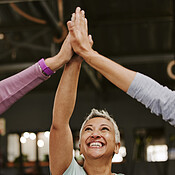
95 144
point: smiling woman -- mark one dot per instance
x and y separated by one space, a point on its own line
103 114
99 139
99 136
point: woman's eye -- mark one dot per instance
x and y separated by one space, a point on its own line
88 129
105 128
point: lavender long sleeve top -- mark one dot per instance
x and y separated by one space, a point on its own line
158 98
16 86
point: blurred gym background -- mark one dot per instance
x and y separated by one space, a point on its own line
139 34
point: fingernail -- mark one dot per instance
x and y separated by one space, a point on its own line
83 12
78 9
73 16
90 36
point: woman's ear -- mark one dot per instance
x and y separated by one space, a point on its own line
117 147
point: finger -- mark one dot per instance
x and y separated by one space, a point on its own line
78 9
70 26
83 13
91 40
86 25
77 13
77 16
82 19
73 17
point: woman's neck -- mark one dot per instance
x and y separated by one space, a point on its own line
97 167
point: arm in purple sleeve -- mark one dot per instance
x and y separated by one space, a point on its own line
16 86
158 98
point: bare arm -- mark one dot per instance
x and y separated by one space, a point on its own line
159 99
117 74
61 142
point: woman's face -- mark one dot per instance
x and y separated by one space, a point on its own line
98 139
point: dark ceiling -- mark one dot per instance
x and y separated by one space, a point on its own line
136 33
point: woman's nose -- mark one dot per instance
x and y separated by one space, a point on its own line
96 134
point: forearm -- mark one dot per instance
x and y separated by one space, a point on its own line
61 141
117 74
15 87
66 94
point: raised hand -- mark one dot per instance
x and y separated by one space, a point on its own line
80 41
63 56
66 51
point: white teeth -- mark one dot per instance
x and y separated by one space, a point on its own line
95 144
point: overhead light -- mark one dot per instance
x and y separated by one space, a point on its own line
26 135
157 153
47 134
32 136
23 140
119 157
2 36
40 143
122 151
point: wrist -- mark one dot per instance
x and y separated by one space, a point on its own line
55 62
75 62
45 69
89 55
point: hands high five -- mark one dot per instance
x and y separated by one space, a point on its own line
81 42
136 85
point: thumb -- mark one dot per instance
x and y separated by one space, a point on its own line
91 42
70 27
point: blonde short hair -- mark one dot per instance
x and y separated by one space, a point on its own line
103 114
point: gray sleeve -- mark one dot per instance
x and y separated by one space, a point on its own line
158 98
